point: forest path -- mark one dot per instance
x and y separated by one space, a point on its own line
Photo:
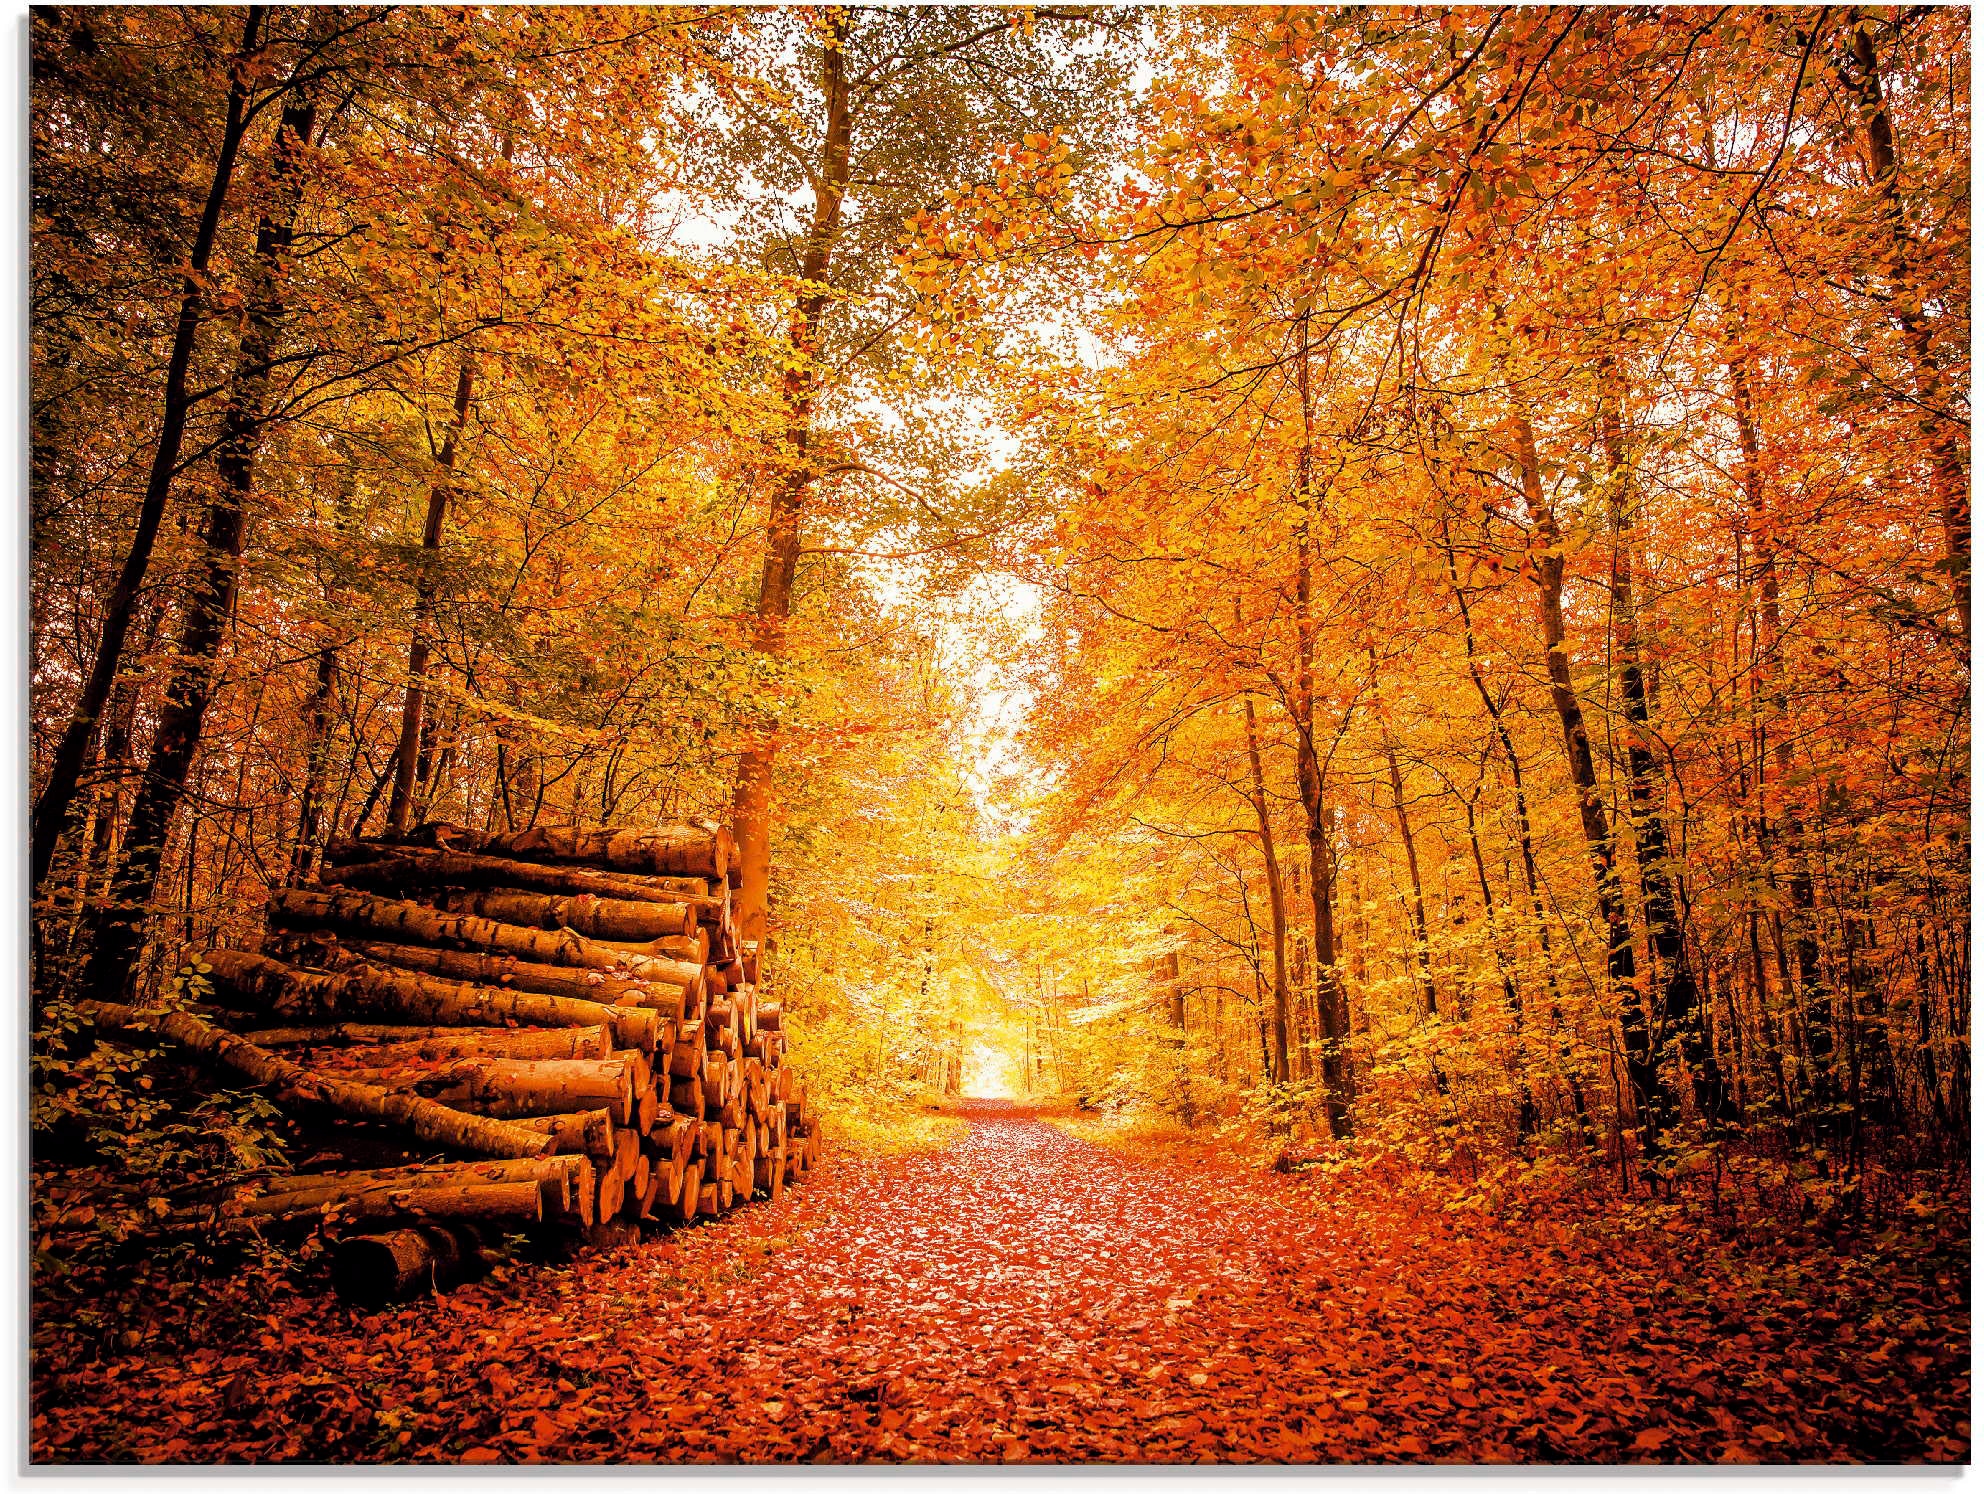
1024 1295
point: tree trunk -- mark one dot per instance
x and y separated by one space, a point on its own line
1422 949
1810 1000
1642 1069
1682 1017
51 810
316 762
108 778
425 586
1948 470
751 803
1525 1098
1525 839
1277 896
118 928
1332 998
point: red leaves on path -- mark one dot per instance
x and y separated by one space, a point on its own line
1026 1296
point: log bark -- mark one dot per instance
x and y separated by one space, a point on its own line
382 867
564 1184
671 926
586 1131
692 948
394 1043
506 1087
627 1147
767 1171
519 1202
678 1137
426 1120
666 999
372 1270
263 984
715 1082
686 848
361 913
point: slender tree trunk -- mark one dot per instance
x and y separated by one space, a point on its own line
320 715
1525 1098
1422 953
112 769
1332 997
1422 948
1525 838
1681 1011
1277 896
1642 1069
119 926
316 765
751 806
51 810
1948 468
1174 993
406 757
1810 1000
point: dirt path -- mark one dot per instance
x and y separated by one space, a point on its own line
1023 1295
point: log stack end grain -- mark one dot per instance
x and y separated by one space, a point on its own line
572 1007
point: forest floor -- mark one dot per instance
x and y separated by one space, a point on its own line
1024 1295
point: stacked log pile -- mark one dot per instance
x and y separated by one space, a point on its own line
571 1008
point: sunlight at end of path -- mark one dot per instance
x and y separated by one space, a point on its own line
990 1073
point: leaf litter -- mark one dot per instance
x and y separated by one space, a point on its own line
1026 1296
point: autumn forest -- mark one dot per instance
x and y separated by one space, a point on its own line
1055 733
